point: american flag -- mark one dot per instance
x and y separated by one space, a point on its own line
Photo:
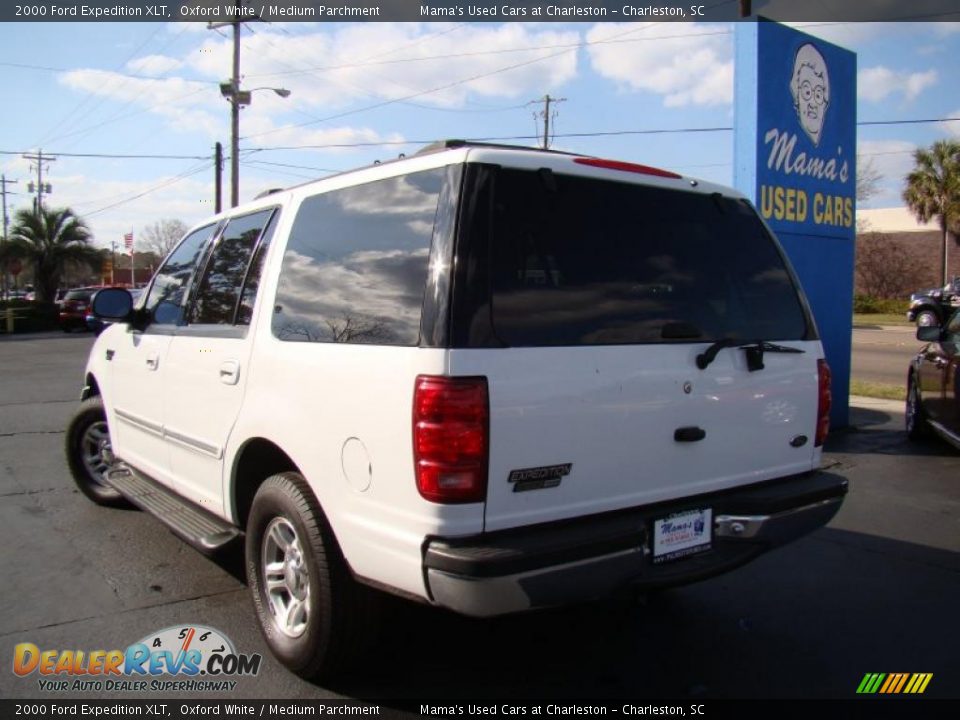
128 241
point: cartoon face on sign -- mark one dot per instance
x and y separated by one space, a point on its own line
810 87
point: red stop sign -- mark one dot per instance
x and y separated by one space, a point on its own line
15 267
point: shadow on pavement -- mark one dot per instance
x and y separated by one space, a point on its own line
802 621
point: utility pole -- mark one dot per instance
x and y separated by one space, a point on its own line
6 221
235 118
237 97
39 159
546 101
218 176
231 92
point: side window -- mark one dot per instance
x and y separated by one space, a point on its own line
172 281
952 331
219 290
355 267
252 282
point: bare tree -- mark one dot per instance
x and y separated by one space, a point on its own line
868 185
354 329
886 268
163 235
868 179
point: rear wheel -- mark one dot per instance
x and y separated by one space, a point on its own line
916 419
309 608
89 453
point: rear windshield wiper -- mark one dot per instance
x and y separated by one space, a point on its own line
754 349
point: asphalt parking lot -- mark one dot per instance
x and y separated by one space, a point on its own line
875 591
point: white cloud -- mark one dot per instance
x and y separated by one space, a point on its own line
945 28
952 128
878 83
344 135
154 64
686 64
189 199
892 159
847 35
367 63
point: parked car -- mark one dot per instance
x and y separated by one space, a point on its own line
73 308
933 403
488 379
97 325
932 306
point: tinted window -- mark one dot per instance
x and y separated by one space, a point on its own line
252 283
356 263
217 295
172 281
576 261
951 333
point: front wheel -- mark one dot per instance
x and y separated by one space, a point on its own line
89 453
916 419
927 318
308 606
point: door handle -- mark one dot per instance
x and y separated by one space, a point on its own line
689 434
230 372
153 361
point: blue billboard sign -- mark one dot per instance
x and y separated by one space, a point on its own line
795 157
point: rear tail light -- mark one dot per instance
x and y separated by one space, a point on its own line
824 401
451 430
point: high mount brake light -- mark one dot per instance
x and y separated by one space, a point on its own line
626 167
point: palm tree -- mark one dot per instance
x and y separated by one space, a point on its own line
933 188
50 240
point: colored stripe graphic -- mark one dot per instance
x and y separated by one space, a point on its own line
894 683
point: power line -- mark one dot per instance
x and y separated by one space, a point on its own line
606 133
386 143
476 53
116 156
178 178
72 116
446 86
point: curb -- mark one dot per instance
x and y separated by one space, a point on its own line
869 403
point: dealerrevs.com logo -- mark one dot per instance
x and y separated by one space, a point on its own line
200 659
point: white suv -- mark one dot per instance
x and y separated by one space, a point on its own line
486 378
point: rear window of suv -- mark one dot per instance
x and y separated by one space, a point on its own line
579 261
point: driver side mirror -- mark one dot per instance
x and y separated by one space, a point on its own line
929 333
113 304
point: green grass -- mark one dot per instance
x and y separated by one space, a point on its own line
885 391
880 319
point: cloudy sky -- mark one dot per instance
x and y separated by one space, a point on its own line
362 92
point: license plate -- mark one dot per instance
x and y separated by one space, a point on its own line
682 534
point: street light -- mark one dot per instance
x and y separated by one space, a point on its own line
237 99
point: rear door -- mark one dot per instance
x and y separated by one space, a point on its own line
601 295
207 363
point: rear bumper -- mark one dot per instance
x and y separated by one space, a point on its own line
586 558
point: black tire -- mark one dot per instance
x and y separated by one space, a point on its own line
914 416
927 318
89 454
314 630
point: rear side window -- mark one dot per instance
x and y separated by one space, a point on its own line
578 261
165 301
355 266
219 291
